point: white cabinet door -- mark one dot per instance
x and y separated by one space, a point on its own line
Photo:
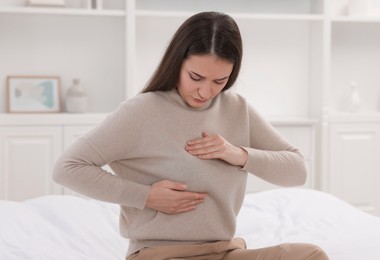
301 137
355 164
28 155
72 133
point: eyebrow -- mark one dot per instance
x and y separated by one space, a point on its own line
196 74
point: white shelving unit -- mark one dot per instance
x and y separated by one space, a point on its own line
351 140
55 11
281 46
134 30
299 56
67 42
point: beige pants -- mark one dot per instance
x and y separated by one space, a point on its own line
231 250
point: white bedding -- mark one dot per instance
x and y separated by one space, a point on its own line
67 227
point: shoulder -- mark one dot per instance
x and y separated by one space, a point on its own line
135 109
142 99
233 99
141 102
238 104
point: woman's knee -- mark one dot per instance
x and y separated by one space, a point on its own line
307 251
319 253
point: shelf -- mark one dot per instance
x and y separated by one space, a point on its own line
292 121
61 11
239 6
275 17
356 19
362 117
279 17
7 119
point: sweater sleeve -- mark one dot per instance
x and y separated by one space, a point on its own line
80 166
270 156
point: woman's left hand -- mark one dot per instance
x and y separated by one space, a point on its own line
216 147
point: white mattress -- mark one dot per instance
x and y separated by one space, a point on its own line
67 227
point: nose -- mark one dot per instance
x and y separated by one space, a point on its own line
204 91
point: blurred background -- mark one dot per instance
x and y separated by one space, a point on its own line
312 67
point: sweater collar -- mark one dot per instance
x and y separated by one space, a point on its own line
176 98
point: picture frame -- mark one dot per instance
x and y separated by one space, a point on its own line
33 94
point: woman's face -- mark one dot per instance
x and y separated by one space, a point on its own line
202 77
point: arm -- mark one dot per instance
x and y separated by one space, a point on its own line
269 155
216 147
79 168
173 198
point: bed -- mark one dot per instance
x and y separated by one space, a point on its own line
70 227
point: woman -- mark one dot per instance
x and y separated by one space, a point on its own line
181 151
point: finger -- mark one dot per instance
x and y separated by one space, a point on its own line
196 141
214 155
182 206
193 203
186 209
192 196
205 144
189 206
200 139
206 150
175 185
212 151
172 185
186 204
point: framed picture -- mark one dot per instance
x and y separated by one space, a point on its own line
33 94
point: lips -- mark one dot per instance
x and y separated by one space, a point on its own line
200 101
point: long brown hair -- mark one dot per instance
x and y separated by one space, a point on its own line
203 33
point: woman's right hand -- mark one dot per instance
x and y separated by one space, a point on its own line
172 198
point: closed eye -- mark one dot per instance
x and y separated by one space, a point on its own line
219 82
195 78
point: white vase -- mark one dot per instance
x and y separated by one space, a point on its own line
76 98
355 99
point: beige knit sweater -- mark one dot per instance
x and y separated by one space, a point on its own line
143 142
